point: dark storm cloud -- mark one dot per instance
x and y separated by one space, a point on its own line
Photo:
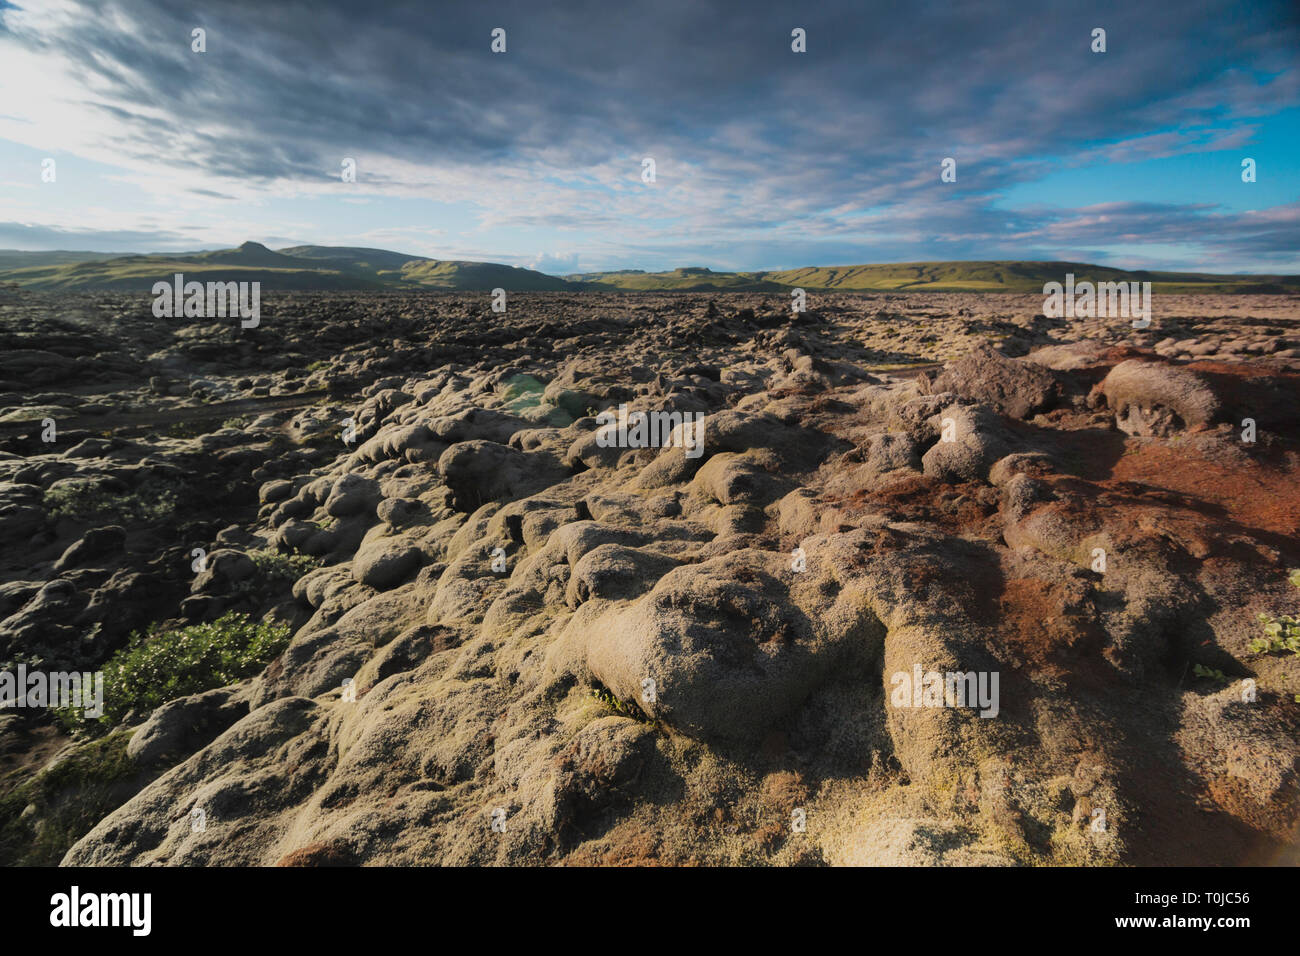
22 235
859 123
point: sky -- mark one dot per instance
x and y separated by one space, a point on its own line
764 158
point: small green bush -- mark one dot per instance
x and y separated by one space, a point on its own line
287 567
68 799
83 499
159 666
1280 633
188 429
1202 671
620 707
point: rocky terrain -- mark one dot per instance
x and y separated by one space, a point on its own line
505 642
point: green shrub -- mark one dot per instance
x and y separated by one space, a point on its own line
159 666
620 707
287 567
1202 671
68 799
188 429
1280 633
80 499
84 499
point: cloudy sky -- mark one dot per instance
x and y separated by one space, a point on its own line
764 158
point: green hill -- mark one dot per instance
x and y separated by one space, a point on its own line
353 258
298 267
943 276
251 255
690 279
451 274
1012 276
139 273
1008 276
13 259
347 267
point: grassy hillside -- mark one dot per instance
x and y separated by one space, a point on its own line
251 255
353 258
1009 276
1012 276
694 279
139 273
449 274
13 259
346 267
298 267
940 276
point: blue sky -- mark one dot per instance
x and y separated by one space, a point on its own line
765 158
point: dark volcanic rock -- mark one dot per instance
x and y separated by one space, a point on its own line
654 653
93 544
1015 388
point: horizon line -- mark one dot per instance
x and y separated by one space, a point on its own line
710 269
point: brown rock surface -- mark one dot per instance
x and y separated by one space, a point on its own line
564 653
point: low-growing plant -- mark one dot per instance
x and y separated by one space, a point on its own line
279 566
1201 670
187 429
81 499
1280 633
158 666
621 707
66 800
84 499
